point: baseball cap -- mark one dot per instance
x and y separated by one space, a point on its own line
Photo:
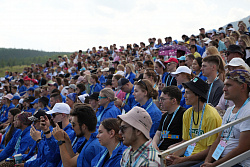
80 79
182 58
53 84
139 119
122 82
209 40
105 69
35 101
26 78
8 96
34 81
241 76
73 86
172 59
181 69
94 96
231 29
235 62
60 108
31 89
15 97
234 49
23 117
201 29
36 116
111 69
83 97
72 96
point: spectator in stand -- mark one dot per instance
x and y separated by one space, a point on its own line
242 28
135 127
129 100
210 69
96 86
181 60
161 70
106 100
233 51
236 36
193 50
108 137
144 93
21 88
10 130
189 60
150 75
15 101
7 105
118 92
171 64
229 41
43 103
93 101
71 99
80 89
244 43
55 98
195 125
84 124
130 74
159 44
236 89
71 88
196 66
183 74
86 82
221 45
170 129
21 141
198 47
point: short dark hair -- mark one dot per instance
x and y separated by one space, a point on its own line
85 115
57 96
191 56
194 47
81 86
173 92
214 43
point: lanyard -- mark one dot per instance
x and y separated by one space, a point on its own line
154 85
126 99
170 80
234 119
100 116
211 89
117 92
137 159
191 123
149 106
170 120
104 155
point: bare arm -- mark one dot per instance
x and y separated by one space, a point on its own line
156 139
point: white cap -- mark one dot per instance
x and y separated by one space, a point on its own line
207 41
181 69
101 59
235 62
231 29
60 108
120 72
105 69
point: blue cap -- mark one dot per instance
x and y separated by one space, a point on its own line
182 58
35 101
72 96
31 88
83 69
15 97
222 31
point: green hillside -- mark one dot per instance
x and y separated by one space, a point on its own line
12 57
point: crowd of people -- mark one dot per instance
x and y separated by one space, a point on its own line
121 106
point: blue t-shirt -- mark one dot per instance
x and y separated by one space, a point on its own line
130 77
89 151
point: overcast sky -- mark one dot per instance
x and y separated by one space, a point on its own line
70 25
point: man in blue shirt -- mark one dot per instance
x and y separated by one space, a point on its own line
84 123
21 141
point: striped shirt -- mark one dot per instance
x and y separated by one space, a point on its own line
146 155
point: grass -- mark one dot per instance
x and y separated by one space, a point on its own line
11 69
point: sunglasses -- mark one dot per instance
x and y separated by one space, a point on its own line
100 97
123 128
55 114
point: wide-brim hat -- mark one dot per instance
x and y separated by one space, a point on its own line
198 86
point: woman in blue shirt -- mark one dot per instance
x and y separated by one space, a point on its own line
143 93
10 130
196 66
96 86
107 109
130 74
108 137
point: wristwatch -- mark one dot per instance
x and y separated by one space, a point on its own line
60 142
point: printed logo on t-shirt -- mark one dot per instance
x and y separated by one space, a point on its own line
196 132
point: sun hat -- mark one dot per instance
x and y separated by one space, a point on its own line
139 119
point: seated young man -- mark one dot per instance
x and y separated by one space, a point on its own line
197 120
235 140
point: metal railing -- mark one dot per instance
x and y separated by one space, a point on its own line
163 154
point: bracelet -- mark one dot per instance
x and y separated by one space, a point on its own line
48 132
38 140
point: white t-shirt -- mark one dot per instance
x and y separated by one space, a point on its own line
233 140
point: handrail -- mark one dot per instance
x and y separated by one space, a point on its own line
236 160
196 139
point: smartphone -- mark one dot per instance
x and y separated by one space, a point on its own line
60 124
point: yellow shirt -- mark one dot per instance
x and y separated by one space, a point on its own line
211 120
196 54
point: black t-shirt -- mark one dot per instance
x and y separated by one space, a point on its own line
170 80
175 128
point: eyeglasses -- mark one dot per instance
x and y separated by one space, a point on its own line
168 64
100 97
140 81
55 114
123 128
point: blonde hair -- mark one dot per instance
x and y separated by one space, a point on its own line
120 67
231 40
245 39
109 93
212 50
131 67
237 33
